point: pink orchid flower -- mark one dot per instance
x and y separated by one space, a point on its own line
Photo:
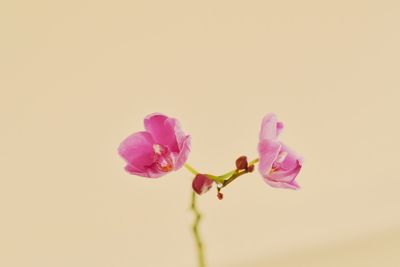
278 165
162 148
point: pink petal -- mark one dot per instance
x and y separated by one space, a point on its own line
276 184
268 151
149 172
137 151
183 154
162 128
279 128
286 176
182 138
291 160
270 127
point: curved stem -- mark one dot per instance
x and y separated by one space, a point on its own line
196 234
191 169
195 227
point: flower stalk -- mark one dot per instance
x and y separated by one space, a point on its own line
222 180
236 174
191 169
196 233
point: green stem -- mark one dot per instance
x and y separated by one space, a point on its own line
191 169
195 227
196 234
237 174
254 161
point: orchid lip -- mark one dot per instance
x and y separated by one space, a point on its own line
164 166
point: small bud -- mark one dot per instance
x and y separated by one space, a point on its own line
250 168
201 184
241 163
220 196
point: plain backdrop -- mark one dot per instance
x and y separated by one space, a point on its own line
77 77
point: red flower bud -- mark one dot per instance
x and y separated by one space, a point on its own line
250 168
201 184
241 163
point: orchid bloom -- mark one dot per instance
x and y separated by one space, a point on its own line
163 147
278 164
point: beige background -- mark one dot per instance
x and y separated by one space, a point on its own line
79 76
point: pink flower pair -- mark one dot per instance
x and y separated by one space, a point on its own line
164 147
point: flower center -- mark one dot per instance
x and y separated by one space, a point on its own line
163 158
281 157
